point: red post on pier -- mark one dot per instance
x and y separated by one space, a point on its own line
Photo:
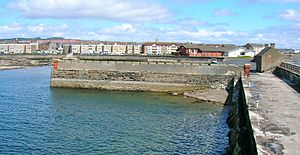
247 68
55 64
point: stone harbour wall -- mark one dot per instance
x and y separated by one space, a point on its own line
241 137
155 67
290 72
134 80
141 76
27 60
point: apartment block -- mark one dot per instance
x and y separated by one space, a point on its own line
18 48
99 49
160 48
137 49
75 49
130 49
107 49
66 49
4 48
119 49
104 49
88 49
30 48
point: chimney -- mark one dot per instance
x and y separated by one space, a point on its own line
266 45
272 45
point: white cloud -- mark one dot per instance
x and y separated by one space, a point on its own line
223 12
124 28
119 10
206 33
36 28
8 29
284 36
292 15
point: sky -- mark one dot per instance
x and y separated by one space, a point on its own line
198 21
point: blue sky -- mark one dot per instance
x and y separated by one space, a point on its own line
199 21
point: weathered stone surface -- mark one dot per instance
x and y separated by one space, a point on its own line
274 114
207 81
122 85
289 72
142 76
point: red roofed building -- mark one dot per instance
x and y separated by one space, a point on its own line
194 50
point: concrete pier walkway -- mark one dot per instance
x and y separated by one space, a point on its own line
274 109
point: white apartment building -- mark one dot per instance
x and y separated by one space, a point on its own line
88 49
119 49
137 49
170 49
160 48
153 49
129 49
75 49
18 48
4 48
99 49
107 49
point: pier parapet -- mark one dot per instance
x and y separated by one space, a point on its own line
290 72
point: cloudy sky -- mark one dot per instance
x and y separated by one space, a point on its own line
201 21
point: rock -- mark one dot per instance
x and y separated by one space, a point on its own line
174 94
186 94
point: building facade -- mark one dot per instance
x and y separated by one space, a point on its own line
119 49
137 49
76 49
255 47
159 48
239 52
18 48
88 49
194 50
4 48
107 49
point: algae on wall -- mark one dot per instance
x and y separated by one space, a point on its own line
241 137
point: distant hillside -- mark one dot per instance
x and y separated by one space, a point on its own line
55 38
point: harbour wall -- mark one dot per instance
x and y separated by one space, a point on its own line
27 60
290 72
41 59
241 137
141 76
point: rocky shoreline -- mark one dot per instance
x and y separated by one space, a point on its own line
11 67
216 96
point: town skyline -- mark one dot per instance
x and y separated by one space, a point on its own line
205 21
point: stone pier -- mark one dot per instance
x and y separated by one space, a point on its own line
274 113
141 76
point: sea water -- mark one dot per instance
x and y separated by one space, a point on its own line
37 119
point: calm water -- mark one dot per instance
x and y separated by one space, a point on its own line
298 61
35 119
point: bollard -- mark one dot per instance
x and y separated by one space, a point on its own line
55 64
247 68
